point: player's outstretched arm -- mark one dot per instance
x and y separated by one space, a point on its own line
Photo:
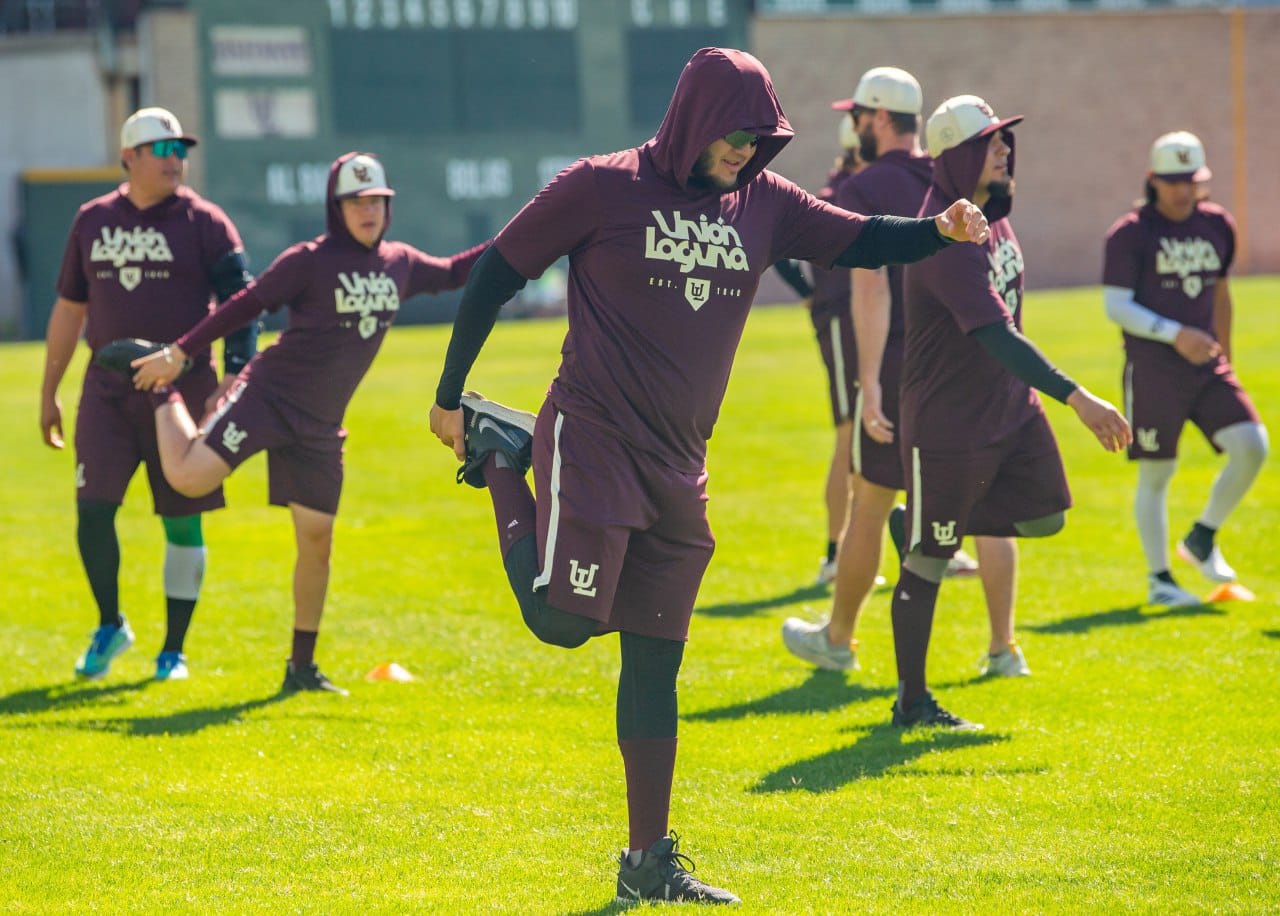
158 368
963 222
491 283
1102 418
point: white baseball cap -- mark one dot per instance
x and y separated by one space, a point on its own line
362 176
146 125
888 88
1179 156
962 118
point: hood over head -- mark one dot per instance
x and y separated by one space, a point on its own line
958 132
719 91
354 175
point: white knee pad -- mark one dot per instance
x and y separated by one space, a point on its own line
183 571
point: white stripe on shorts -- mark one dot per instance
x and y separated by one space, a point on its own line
857 431
553 527
1128 392
917 511
837 359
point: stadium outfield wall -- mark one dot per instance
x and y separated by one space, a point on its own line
1096 88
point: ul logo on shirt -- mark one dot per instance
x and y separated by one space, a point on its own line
130 277
697 291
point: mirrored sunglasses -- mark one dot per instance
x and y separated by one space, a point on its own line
163 149
741 138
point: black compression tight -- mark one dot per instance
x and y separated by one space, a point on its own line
647 686
550 625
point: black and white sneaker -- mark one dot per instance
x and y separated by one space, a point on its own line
120 354
924 710
308 677
664 874
493 427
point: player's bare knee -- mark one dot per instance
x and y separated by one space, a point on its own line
1043 527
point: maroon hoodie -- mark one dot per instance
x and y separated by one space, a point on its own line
955 396
662 270
894 185
341 297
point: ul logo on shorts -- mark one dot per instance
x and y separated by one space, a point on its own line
583 580
1147 440
232 436
944 533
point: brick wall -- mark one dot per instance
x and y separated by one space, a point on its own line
1096 89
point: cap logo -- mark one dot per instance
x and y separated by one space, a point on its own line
1184 157
166 123
362 173
947 134
986 109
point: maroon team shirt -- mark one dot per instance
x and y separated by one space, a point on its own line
145 273
1173 268
831 287
955 396
663 271
342 297
894 185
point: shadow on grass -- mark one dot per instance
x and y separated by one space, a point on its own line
605 910
183 722
879 750
1273 634
747 608
821 692
1122 617
67 695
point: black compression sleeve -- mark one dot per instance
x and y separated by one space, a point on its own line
1020 356
793 276
229 276
491 283
893 240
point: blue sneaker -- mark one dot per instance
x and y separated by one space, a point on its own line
171 666
106 644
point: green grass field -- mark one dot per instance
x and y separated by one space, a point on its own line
1137 770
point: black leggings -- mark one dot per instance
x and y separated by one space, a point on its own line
647 681
559 628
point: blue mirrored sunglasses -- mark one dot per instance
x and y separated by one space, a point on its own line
741 138
163 149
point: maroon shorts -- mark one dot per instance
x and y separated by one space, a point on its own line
874 461
985 491
1160 398
840 356
304 455
116 431
622 537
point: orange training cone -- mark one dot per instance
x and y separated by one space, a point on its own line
1230 591
389 671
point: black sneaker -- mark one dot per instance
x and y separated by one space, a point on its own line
308 677
664 874
119 354
924 710
493 427
898 530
